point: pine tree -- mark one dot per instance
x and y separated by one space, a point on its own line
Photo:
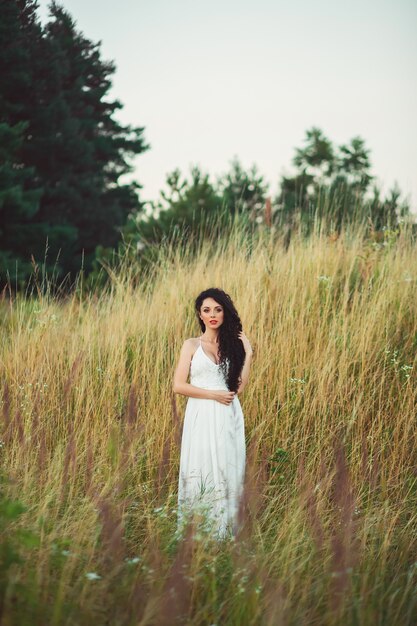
188 205
80 150
63 151
19 189
243 191
333 183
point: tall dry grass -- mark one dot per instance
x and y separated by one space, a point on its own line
91 434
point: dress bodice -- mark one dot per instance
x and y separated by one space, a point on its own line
205 373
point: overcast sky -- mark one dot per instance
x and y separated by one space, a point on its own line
214 80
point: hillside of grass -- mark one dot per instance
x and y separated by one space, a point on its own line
91 433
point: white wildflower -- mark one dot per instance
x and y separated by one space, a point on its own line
92 576
133 560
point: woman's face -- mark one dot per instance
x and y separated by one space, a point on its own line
211 312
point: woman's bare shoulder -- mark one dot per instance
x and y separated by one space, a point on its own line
189 347
191 342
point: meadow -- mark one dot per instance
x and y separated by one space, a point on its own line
91 433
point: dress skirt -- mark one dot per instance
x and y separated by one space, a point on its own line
212 463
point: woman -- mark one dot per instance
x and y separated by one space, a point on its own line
212 462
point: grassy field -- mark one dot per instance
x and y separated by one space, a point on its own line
91 433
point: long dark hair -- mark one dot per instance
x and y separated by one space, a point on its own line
230 346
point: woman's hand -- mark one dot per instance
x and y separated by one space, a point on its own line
224 397
246 344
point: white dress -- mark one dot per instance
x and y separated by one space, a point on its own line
212 461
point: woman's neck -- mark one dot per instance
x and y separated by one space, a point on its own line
211 335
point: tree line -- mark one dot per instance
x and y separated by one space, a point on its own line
62 154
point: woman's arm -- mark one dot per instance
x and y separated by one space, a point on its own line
246 366
245 372
180 384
